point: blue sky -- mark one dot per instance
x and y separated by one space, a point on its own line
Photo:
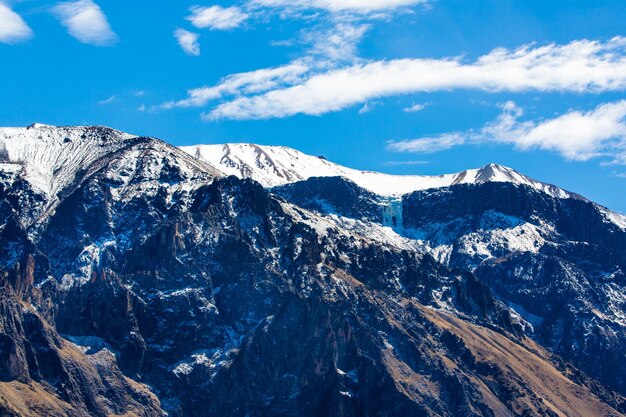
400 86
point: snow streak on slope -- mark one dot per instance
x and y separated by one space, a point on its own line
279 165
615 218
49 158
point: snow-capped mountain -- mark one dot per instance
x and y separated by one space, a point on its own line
137 278
49 158
278 165
273 166
46 162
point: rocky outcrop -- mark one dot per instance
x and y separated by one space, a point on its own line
575 219
334 195
42 373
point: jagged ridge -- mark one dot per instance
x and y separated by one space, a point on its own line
279 165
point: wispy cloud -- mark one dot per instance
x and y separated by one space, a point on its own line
404 163
328 41
107 100
244 83
576 135
188 41
86 22
13 28
334 28
368 107
328 46
335 42
362 6
217 17
428 144
415 107
581 66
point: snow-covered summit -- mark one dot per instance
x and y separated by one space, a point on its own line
37 125
279 165
50 157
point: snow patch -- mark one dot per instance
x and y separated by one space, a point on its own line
618 219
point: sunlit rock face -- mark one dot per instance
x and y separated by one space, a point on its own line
141 279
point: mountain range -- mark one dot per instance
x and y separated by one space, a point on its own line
142 279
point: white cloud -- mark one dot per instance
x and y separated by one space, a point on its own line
188 41
86 22
576 135
329 47
244 83
217 17
428 144
328 41
580 66
335 43
13 28
415 107
340 5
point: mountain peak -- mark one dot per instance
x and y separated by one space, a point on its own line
493 167
38 126
498 173
279 165
51 153
49 157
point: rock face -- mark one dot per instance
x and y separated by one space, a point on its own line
558 262
42 373
148 282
